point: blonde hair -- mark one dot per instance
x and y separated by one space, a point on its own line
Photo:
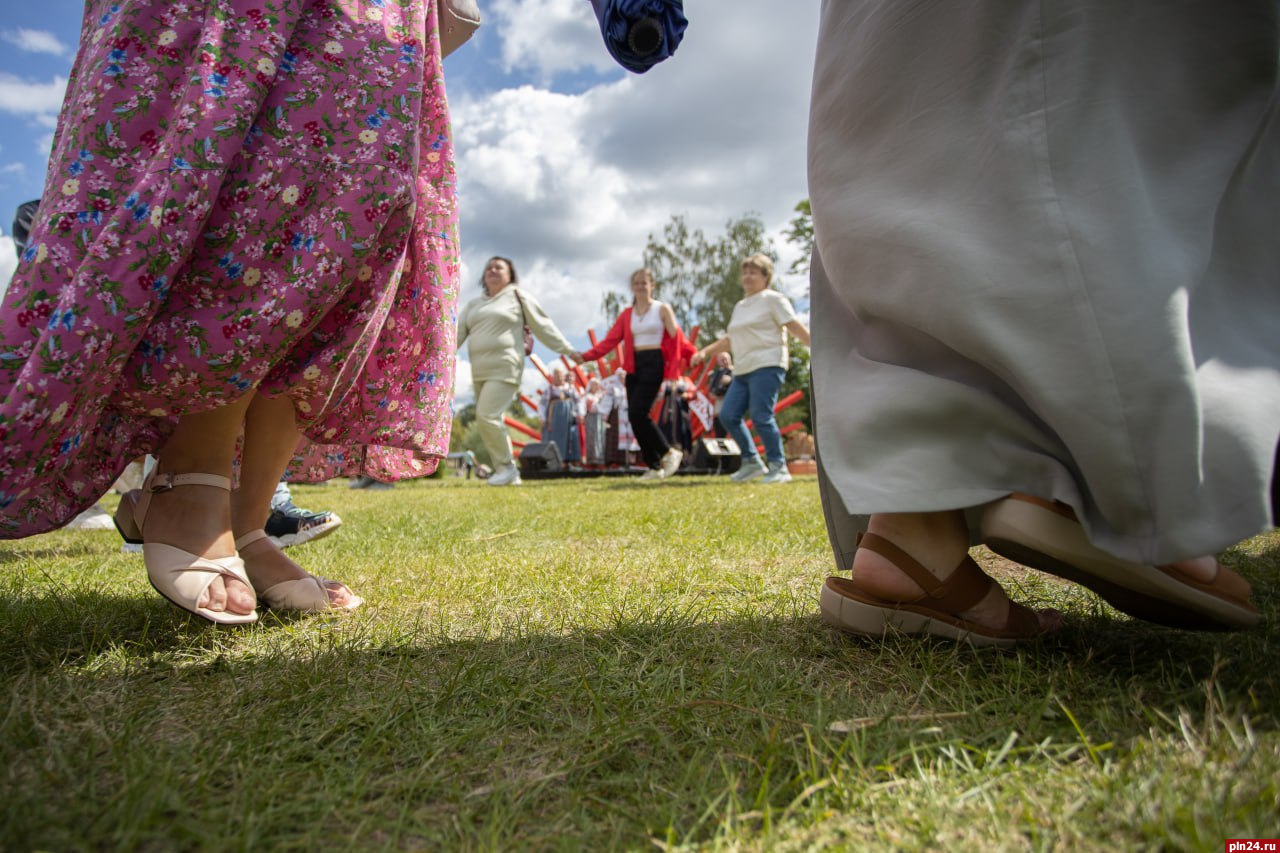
648 274
762 262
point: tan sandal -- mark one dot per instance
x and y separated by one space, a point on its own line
308 594
179 575
847 606
1046 535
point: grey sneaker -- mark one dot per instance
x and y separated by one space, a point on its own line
653 474
508 475
751 468
778 473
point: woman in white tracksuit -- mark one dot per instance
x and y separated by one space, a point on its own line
492 326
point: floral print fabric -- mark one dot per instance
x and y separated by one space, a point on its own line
242 193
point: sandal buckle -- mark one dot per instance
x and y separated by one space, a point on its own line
162 486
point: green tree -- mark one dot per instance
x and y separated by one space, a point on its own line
797 379
465 436
471 440
701 280
699 277
612 305
800 234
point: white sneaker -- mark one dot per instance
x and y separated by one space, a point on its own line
671 462
778 473
93 518
653 474
751 468
508 475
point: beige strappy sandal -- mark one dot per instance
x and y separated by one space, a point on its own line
178 575
308 594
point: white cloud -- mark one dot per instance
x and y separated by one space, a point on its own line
548 37
571 185
28 98
34 41
464 392
13 168
8 262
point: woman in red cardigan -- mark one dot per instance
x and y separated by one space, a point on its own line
653 349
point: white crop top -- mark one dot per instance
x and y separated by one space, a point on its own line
647 328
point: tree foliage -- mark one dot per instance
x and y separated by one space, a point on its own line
797 379
466 436
800 234
699 277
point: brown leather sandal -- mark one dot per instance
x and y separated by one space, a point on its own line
1046 535
848 607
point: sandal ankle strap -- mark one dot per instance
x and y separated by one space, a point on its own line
249 538
157 483
962 589
165 482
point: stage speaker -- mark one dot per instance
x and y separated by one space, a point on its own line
717 455
542 457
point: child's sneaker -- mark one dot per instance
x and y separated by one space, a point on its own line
289 525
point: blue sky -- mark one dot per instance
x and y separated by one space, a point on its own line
566 163
37 44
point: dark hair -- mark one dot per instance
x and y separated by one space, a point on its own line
515 279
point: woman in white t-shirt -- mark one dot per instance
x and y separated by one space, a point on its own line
757 335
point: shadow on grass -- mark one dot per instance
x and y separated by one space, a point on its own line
69 628
586 738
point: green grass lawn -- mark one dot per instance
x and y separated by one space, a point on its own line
600 664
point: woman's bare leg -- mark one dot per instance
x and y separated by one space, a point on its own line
938 541
198 518
270 439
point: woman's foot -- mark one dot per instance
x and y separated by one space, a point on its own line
197 519
1196 594
1202 569
939 542
268 567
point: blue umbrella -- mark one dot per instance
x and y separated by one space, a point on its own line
640 33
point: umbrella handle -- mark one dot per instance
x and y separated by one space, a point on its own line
645 37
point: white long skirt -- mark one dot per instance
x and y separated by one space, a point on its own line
1048 261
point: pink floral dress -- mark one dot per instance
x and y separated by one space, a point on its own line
242 193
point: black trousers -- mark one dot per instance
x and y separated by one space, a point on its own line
643 385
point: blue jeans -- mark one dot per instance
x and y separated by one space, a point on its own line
755 392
